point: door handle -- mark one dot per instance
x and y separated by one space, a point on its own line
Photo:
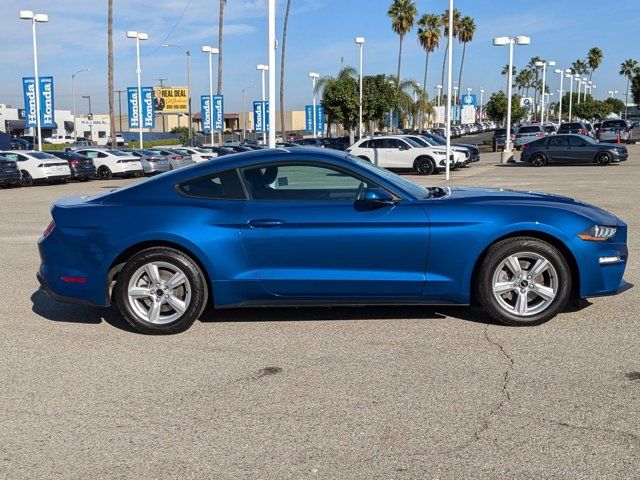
265 223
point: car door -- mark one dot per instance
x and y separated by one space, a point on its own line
307 236
399 153
579 151
556 149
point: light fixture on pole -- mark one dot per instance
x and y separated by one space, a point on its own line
560 72
263 69
544 64
585 82
613 93
36 18
314 76
73 97
360 41
271 50
572 77
501 42
211 51
138 36
188 54
90 116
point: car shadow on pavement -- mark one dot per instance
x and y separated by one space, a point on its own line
310 314
45 307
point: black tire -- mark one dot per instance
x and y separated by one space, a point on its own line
196 286
104 173
603 159
424 166
26 180
538 160
491 268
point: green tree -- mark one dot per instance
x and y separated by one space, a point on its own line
591 109
341 98
465 36
635 90
628 69
429 37
378 98
497 108
580 67
183 132
403 15
594 60
617 105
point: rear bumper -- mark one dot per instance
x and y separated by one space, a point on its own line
62 298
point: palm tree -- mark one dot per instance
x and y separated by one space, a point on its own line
534 80
282 63
628 69
594 59
429 37
505 70
580 67
403 15
465 35
404 103
220 27
112 118
456 28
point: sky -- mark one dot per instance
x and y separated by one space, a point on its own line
321 38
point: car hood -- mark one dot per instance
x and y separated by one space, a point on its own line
491 197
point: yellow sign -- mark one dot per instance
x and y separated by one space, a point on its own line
171 99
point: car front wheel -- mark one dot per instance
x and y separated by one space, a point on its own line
425 166
161 291
603 159
523 281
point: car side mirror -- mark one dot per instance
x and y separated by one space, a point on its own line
376 197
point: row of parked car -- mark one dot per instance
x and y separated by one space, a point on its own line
611 131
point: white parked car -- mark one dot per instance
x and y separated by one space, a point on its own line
38 166
59 139
391 151
460 154
197 154
113 163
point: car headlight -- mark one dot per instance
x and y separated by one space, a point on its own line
439 153
598 233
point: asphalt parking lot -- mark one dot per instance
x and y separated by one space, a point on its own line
354 393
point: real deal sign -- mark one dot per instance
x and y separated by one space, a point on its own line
171 99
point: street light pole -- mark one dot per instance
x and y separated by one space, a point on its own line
138 36
211 51
271 50
188 55
73 97
264 69
314 76
88 97
359 41
560 72
449 85
120 92
244 115
572 77
499 42
481 104
543 64
36 18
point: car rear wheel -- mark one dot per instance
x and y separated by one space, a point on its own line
104 173
523 281
424 166
26 180
161 291
538 160
603 159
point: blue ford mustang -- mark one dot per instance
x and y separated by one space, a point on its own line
310 227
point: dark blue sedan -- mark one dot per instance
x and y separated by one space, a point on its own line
319 227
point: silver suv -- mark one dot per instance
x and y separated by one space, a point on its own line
611 129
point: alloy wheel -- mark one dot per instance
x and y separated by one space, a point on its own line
159 293
525 284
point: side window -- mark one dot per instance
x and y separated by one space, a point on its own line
222 186
556 141
379 143
11 156
91 154
366 144
102 134
102 155
302 182
393 143
576 142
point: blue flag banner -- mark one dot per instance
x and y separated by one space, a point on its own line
146 106
205 112
260 116
47 106
320 119
218 113
319 115
308 115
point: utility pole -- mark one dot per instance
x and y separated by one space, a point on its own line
164 125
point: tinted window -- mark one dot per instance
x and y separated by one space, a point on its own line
529 130
302 182
576 142
42 156
500 131
223 186
556 141
572 126
394 143
379 143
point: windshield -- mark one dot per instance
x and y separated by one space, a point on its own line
410 187
422 141
438 140
529 130
588 139
118 153
500 131
42 156
413 143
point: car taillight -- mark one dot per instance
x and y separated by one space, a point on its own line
539 134
176 157
582 131
152 160
49 229
74 162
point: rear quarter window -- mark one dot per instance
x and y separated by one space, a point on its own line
220 186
